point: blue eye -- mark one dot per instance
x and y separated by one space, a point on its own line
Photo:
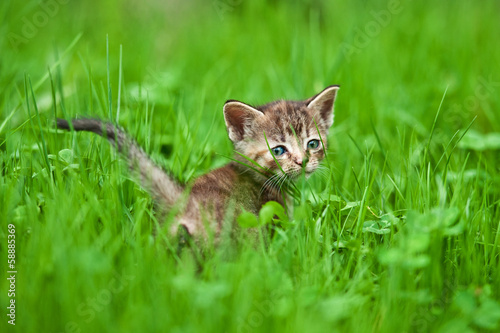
313 144
277 151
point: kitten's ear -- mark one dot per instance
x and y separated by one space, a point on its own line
322 105
238 116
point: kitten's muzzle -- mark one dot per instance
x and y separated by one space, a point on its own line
301 160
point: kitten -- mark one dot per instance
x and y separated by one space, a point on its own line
275 143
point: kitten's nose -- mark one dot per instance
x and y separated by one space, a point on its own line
299 160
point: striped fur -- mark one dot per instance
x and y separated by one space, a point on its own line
216 198
291 124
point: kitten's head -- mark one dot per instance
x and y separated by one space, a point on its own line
295 132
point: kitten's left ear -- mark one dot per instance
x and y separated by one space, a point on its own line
322 105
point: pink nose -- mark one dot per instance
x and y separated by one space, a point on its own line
298 160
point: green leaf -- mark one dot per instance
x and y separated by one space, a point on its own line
418 242
248 220
376 230
465 301
488 315
271 209
66 155
351 205
456 325
72 166
390 256
381 226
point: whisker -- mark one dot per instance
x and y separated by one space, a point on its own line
266 183
269 183
323 171
282 181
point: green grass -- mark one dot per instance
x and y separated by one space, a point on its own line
400 235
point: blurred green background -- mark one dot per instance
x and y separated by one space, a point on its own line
401 236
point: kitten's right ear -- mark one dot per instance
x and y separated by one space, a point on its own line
238 116
322 105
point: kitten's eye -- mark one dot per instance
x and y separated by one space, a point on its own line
313 144
277 151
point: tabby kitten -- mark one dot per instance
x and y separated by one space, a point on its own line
275 143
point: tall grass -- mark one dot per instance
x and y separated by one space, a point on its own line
401 234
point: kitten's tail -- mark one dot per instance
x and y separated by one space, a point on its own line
165 190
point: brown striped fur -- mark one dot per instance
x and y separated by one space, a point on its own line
213 200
